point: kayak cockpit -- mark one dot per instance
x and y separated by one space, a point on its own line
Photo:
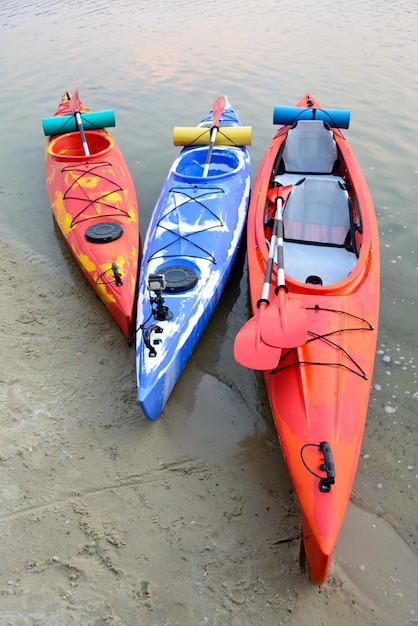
190 163
69 147
318 229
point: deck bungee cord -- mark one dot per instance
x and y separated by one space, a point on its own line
160 312
88 202
319 412
206 191
325 337
94 202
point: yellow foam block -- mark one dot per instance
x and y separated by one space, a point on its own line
226 136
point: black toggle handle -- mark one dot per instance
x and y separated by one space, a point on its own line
116 274
327 466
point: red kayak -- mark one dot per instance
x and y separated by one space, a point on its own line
314 267
94 203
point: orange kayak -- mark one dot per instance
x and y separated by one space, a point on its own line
314 266
94 203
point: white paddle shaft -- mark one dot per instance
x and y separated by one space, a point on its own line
212 143
83 136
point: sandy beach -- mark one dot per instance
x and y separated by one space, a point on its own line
110 519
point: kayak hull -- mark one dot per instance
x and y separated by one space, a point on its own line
191 243
319 391
94 203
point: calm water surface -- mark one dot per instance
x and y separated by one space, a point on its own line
162 64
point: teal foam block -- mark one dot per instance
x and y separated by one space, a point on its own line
62 124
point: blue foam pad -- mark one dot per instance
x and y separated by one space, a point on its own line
336 118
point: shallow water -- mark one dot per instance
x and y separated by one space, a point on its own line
160 65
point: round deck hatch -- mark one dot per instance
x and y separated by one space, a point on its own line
179 278
103 232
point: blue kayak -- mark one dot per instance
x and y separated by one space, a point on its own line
189 250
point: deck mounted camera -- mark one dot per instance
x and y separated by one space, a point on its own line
157 284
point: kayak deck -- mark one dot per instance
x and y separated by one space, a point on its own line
188 253
94 203
319 387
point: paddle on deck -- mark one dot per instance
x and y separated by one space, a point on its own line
284 322
217 110
250 349
75 108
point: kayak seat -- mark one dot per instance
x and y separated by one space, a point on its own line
316 220
309 148
317 211
328 265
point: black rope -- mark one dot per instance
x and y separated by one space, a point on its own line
206 191
328 364
225 117
236 145
228 115
325 337
140 327
88 202
314 111
328 467
311 445
357 317
114 279
283 130
196 140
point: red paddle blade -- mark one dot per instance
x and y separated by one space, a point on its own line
250 351
217 110
75 101
283 323
282 192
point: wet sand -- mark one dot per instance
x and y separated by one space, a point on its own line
109 519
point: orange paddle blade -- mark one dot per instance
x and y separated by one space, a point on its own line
283 323
251 351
